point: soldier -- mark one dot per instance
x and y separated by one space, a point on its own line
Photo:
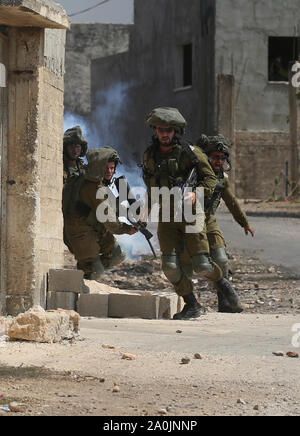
217 149
75 147
167 162
93 250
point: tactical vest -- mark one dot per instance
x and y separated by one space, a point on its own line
71 205
159 171
70 172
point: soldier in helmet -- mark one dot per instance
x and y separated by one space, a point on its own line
167 163
217 148
93 243
75 147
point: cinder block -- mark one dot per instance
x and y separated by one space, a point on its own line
65 280
168 305
131 305
93 305
61 300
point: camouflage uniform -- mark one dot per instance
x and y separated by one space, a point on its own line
172 170
215 236
93 244
74 136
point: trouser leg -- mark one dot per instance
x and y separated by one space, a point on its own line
171 244
86 250
228 300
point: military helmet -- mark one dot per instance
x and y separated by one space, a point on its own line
167 116
209 144
97 160
75 136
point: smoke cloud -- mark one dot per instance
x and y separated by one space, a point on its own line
105 127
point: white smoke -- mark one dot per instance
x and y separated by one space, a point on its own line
106 128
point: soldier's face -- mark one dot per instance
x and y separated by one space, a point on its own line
110 170
165 135
73 151
217 159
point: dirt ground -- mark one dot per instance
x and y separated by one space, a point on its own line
237 375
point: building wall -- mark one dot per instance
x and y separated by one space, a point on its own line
86 42
242 31
34 168
51 109
261 161
3 148
161 28
262 137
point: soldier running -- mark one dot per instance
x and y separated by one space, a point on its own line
167 163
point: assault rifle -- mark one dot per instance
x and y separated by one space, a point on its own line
217 195
191 182
139 226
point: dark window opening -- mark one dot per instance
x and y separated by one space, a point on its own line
4 30
187 65
282 51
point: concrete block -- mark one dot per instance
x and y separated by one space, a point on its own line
133 305
168 306
93 305
65 280
61 300
168 303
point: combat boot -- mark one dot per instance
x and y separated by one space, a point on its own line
229 301
191 308
224 306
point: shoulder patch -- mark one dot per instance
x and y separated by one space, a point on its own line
226 176
192 147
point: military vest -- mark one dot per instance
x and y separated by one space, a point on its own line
70 172
160 171
71 205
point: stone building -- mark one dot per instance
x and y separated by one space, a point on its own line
86 42
32 50
224 64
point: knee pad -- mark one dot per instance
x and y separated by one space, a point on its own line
116 257
219 256
171 267
202 264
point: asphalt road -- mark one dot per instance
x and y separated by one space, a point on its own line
276 241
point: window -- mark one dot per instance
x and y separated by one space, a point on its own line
184 67
188 65
282 51
3 30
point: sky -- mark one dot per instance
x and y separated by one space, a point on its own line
114 11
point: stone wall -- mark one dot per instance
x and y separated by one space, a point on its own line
260 159
86 42
34 168
51 107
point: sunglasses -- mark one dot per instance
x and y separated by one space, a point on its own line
165 129
223 158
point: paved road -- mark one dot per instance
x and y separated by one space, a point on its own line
277 240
